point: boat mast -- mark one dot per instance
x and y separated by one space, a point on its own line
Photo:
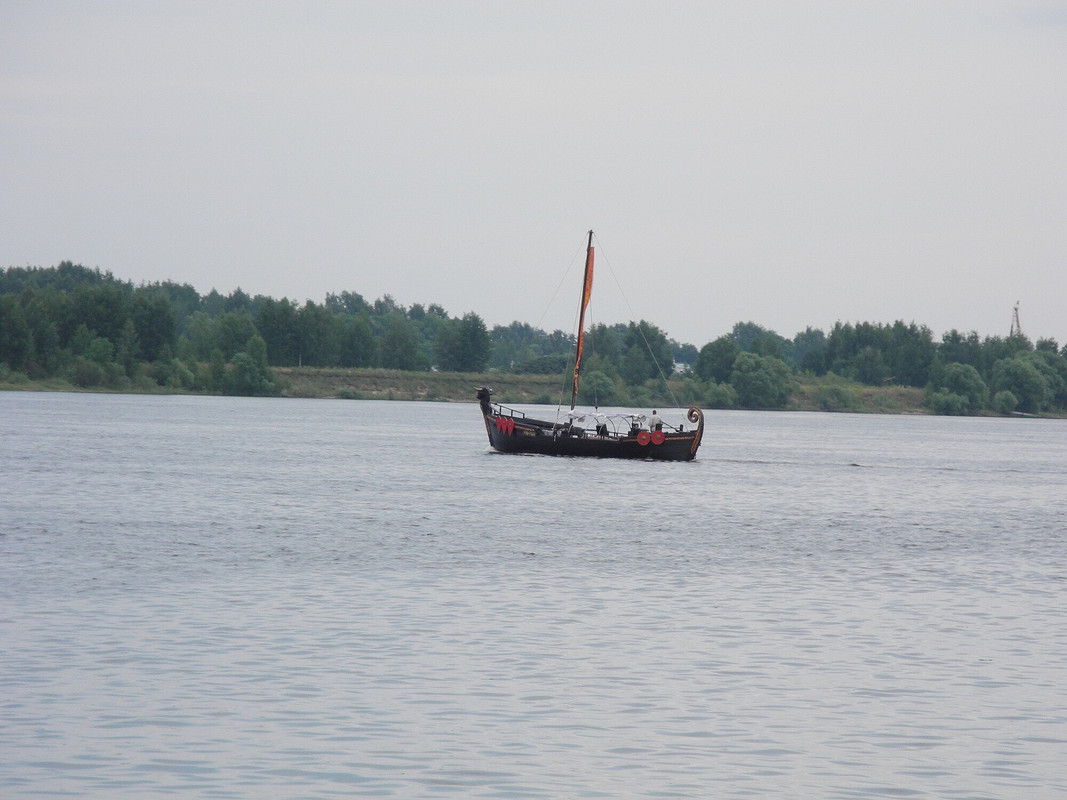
587 288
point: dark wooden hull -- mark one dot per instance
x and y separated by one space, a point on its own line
515 433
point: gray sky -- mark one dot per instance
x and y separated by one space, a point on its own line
789 163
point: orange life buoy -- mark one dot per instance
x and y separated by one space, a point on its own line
644 437
658 437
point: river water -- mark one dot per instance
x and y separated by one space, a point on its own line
229 598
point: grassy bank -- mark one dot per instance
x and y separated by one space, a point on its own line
389 384
835 394
811 394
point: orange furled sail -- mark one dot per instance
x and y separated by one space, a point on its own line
587 291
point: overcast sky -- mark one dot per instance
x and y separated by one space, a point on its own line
789 163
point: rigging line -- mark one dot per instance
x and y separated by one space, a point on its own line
548 307
604 259
591 342
552 299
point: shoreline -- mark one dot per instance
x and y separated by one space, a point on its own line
810 394
311 383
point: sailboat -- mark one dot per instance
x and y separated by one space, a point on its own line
589 433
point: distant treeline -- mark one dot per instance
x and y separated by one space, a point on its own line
88 327
962 374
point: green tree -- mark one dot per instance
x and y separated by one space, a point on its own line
15 341
358 345
720 395
636 367
909 352
809 351
400 346
179 376
646 353
350 303
62 278
82 340
320 336
868 366
552 364
761 381
250 374
875 353
244 378
462 345
278 322
45 312
183 298
257 350
1004 402
237 300
128 348
1025 381
102 308
997 348
960 380
86 373
605 342
519 347
101 351
684 353
948 403
716 359
235 328
753 338
201 335
428 323
154 322
213 304
842 344
597 389
835 397
385 307
1054 370
961 348
217 371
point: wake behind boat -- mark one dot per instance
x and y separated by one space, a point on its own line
589 433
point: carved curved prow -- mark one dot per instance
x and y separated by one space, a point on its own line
696 415
484 394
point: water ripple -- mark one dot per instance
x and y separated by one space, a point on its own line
223 598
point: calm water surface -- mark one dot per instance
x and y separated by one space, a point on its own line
220 597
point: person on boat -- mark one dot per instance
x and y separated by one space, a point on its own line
655 424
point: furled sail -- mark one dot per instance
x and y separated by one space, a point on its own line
587 290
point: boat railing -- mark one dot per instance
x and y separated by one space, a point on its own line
604 426
511 412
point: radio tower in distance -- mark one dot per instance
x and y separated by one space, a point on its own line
1016 328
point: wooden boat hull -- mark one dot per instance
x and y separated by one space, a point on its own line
515 433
